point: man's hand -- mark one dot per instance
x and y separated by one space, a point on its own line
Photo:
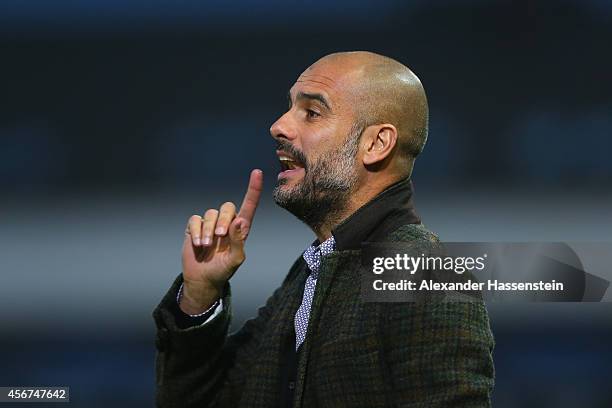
214 248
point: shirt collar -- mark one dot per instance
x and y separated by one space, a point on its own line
377 218
314 253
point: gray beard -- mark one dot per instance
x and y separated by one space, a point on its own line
322 195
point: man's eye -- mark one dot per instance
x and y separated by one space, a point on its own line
312 114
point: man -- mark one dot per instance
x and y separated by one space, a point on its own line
347 145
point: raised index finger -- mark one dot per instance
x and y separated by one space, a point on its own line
251 198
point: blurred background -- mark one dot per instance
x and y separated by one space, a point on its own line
121 118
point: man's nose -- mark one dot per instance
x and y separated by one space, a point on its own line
282 128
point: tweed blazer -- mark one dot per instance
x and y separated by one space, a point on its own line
356 354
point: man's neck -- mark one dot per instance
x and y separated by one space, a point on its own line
357 199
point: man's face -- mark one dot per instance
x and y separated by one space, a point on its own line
317 145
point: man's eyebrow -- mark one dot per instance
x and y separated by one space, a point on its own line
310 96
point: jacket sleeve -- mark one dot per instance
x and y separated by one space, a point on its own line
202 366
439 354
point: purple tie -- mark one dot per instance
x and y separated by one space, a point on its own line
312 256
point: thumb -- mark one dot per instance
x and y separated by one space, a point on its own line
238 232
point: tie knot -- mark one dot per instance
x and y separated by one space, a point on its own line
313 254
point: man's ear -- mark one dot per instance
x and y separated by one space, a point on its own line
378 143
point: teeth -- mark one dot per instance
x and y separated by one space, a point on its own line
287 162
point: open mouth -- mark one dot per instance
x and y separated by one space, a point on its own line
289 165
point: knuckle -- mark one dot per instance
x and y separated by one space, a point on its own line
211 213
228 206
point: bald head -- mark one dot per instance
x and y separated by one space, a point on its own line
385 91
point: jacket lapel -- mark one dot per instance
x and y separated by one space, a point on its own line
329 267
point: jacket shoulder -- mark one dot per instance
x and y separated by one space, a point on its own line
415 234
